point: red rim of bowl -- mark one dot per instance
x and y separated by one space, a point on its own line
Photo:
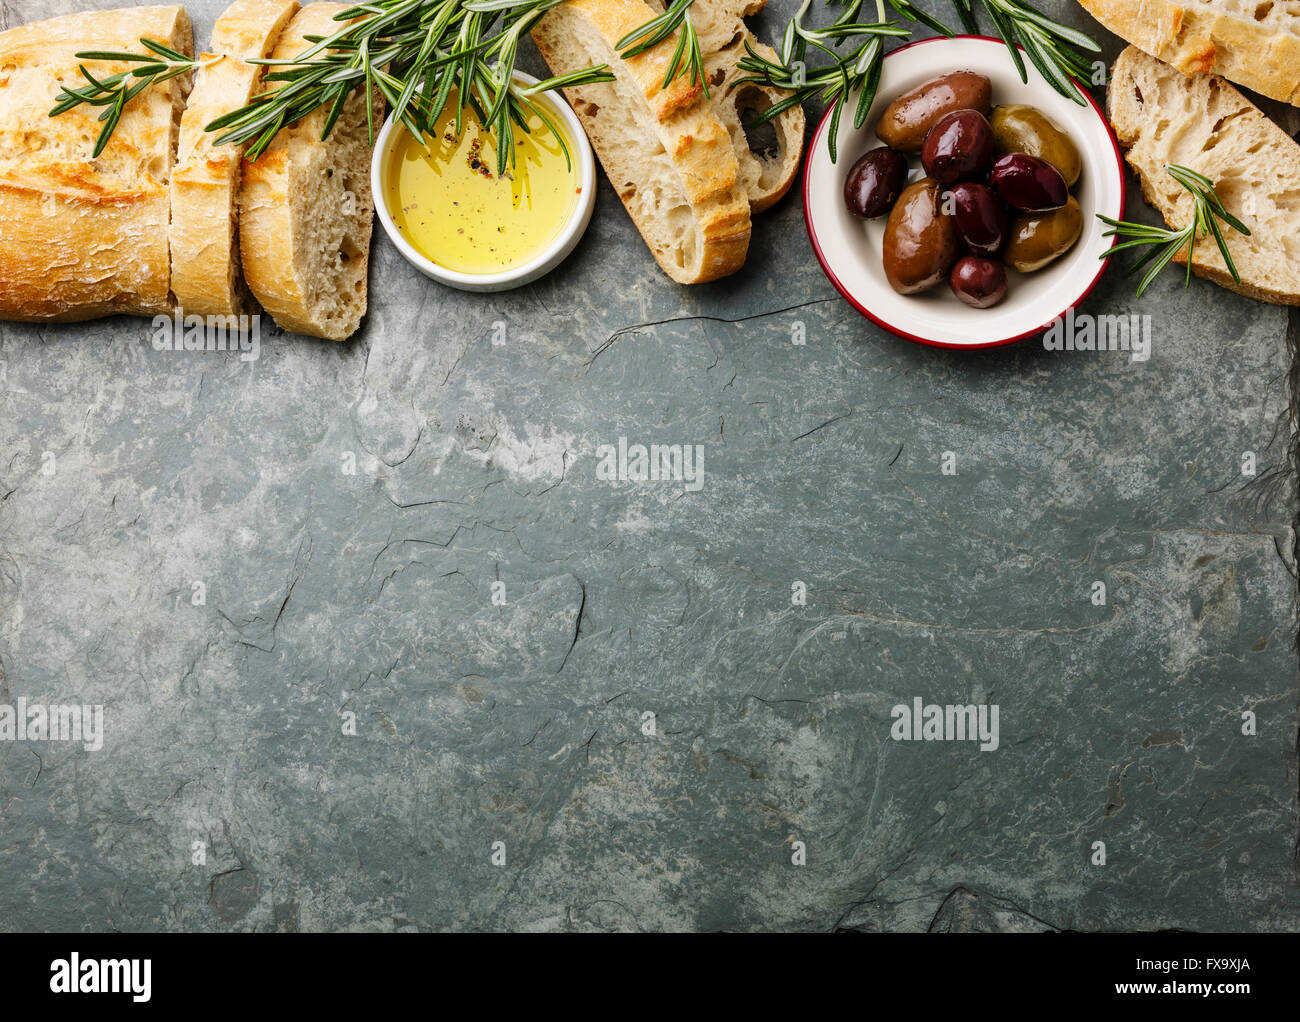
844 292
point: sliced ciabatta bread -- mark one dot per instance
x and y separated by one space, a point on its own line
306 209
81 236
768 156
666 152
1255 43
206 275
1164 117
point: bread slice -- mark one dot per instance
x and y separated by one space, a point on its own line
1163 116
666 152
1255 43
206 275
306 210
768 158
83 237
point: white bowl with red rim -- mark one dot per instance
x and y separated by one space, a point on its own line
849 249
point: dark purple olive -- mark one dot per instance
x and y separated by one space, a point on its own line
960 145
1029 183
980 283
979 218
875 182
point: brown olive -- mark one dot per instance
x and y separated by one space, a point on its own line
958 147
875 182
978 282
1026 129
905 122
920 244
1039 238
1028 183
979 218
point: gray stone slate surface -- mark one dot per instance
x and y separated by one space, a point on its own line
329 594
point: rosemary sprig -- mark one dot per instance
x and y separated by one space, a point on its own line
1053 48
415 53
857 69
1208 210
687 54
114 92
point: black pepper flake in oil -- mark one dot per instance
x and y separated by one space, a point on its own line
476 163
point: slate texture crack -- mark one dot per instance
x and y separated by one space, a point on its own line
608 343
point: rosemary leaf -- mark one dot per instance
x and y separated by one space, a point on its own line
113 92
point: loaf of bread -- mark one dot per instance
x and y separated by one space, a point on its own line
666 151
1162 116
206 275
83 237
768 158
306 209
1255 43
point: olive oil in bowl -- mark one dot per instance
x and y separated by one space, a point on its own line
448 202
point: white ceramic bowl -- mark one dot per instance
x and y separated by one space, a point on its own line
525 273
849 249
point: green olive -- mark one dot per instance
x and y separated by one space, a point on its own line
1039 238
1026 129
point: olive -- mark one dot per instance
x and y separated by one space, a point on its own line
874 183
960 145
1026 129
920 245
1028 183
979 282
905 122
1037 239
979 218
